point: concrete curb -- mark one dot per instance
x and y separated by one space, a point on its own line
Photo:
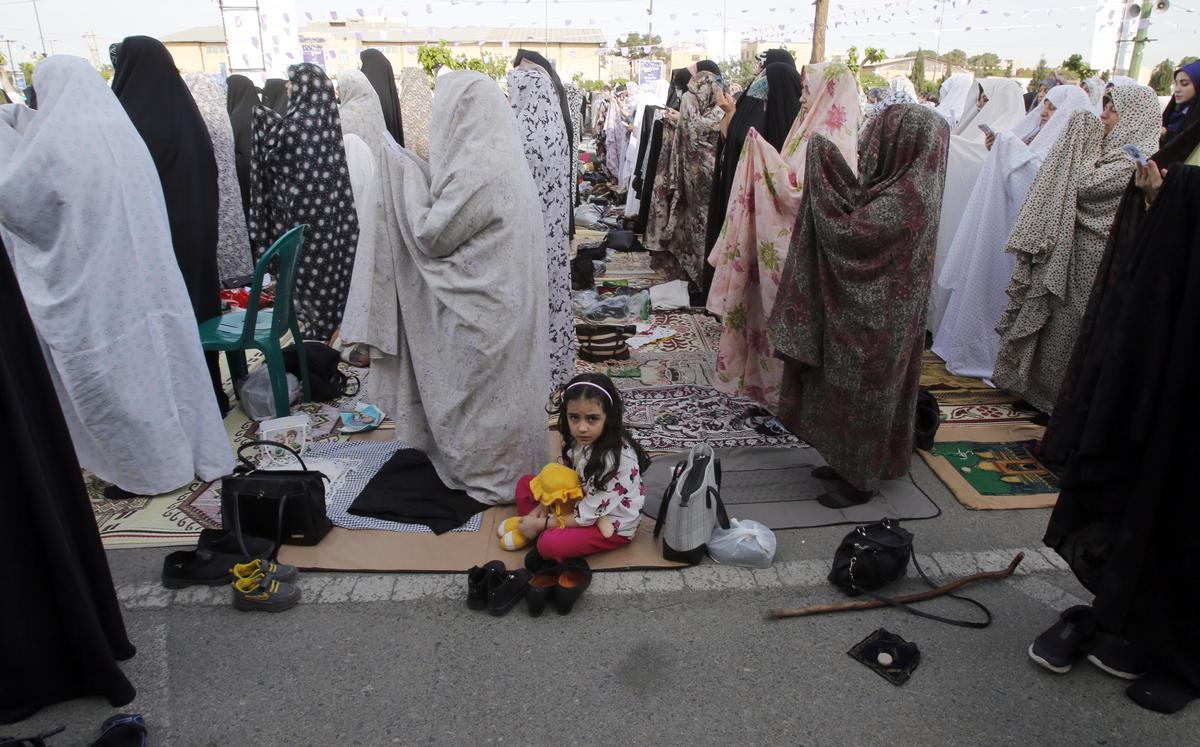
356 588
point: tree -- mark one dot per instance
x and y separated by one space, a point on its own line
1040 73
956 57
820 20
106 72
636 44
867 81
431 58
27 71
1075 64
1162 78
918 71
985 64
1008 71
852 59
871 55
3 60
739 70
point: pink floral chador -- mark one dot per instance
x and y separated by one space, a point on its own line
753 244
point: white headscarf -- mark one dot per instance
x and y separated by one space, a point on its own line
360 110
1123 80
1005 107
81 213
952 97
1095 88
1066 100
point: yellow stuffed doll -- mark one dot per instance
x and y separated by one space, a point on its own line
556 487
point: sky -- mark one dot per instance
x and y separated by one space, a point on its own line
1018 29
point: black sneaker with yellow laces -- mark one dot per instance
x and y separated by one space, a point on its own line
261 593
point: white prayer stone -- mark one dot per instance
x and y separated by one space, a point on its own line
885 659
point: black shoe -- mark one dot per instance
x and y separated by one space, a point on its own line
225 542
1162 692
477 583
542 589
534 562
1062 644
506 589
185 568
572 582
1118 657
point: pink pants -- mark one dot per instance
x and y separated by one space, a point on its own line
560 545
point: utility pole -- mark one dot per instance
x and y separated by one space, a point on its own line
39 25
12 64
941 20
650 20
91 39
820 19
1139 41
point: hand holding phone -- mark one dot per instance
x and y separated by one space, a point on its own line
1135 154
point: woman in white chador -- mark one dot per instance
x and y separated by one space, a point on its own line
82 214
976 270
465 307
952 97
995 103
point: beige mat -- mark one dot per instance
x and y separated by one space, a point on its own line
993 466
377 551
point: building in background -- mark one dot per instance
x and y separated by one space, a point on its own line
199 49
335 45
687 53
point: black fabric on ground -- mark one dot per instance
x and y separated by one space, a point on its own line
379 71
162 109
1125 519
240 100
274 95
407 490
61 631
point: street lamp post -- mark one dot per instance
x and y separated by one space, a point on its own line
41 36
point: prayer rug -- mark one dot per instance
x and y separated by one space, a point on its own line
964 400
993 466
352 464
676 417
646 369
775 487
176 518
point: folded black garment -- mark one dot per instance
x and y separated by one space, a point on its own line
407 490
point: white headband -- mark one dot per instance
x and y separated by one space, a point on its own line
594 386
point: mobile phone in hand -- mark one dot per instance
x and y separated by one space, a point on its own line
988 131
1135 154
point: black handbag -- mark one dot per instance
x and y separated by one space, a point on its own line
285 506
874 555
326 382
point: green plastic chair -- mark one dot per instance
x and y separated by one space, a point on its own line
263 329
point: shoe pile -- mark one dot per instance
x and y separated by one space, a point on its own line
259 583
494 588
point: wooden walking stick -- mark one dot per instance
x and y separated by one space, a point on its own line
870 604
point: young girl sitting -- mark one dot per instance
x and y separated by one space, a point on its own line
609 463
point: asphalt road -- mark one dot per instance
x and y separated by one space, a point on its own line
663 657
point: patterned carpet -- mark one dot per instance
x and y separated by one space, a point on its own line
677 417
176 518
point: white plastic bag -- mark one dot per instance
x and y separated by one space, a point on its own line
745 543
257 397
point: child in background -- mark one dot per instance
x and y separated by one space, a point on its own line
609 462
